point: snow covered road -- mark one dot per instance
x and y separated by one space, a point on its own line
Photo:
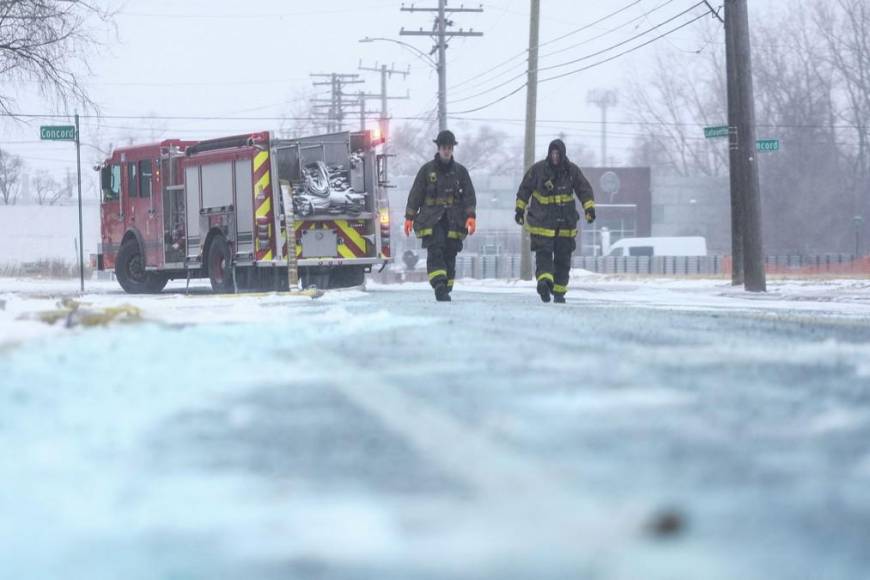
647 429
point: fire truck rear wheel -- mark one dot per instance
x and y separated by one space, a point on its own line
220 266
130 268
155 283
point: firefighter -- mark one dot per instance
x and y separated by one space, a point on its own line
441 211
547 192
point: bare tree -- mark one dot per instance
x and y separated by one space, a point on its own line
680 95
486 151
844 26
11 167
795 103
47 190
43 41
301 118
411 143
811 66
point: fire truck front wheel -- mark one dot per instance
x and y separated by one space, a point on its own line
130 268
220 266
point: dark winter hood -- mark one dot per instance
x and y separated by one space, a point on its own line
559 145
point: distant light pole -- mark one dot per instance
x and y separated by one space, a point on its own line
858 222
603 99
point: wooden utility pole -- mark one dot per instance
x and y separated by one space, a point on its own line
744 158
385 72
531 123
734 160
338 101
441 35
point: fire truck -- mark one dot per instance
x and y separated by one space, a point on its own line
249 212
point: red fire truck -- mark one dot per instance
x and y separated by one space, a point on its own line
250 212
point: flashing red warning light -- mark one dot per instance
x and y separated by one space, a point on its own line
377 136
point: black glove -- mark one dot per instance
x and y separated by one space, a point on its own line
590 215
520 217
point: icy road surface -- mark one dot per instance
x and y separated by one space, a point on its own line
645 430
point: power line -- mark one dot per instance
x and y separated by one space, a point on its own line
524 53
419 117
585 57
571 47
441 34
585 68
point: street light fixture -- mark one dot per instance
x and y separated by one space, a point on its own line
418 53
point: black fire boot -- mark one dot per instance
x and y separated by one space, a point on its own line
544 289
442 292
559 298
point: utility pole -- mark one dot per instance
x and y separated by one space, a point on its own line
531 123
735 172
337 102
385 72
441 35
362 110
603 99
744 158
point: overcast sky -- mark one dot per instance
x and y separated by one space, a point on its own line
230 59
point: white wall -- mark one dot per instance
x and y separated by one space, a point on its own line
30 232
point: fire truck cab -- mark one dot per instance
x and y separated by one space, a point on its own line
249 212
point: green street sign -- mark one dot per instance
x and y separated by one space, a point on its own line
57 133
767 145
714 132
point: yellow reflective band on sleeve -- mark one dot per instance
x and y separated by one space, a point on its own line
567 233
548 277
547 233
521 204
437 274
424 232
588 204
559 289
551 199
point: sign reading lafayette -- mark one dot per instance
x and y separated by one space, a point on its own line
714 132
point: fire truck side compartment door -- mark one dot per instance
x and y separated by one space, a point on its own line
245 205
191 183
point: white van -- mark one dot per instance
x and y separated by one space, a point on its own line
677 246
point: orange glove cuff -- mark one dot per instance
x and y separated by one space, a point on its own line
471 225
409 225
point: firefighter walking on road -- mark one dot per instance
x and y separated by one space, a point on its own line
441 211
547 192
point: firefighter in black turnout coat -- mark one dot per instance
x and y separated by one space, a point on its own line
547 207
441 210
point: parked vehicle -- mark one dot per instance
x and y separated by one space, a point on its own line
241 211
660 246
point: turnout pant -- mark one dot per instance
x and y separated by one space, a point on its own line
553 258
441 255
